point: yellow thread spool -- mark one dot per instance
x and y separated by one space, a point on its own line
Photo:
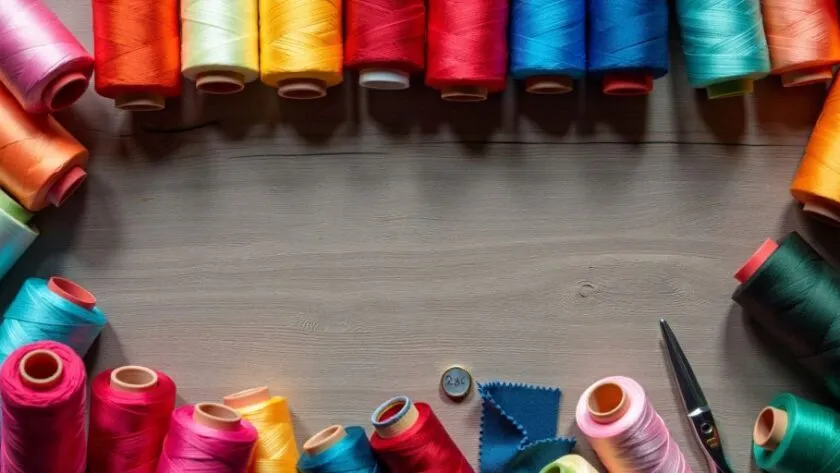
300 46
276 450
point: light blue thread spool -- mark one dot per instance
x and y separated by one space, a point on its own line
15 233
338 450
724 44
57 310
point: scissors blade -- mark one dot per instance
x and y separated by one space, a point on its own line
690 389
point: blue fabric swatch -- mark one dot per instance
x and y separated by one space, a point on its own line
519 428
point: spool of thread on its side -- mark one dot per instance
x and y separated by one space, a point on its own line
337 449
793 435
58 309
42 386
131 408
41 62
569 464
276 450
407 434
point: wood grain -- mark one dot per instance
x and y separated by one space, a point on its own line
346 250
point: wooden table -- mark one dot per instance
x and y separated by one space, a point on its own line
349 249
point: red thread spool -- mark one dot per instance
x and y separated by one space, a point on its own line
409 438
467 48
137 52
130 412
385 41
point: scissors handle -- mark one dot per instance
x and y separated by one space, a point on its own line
707 434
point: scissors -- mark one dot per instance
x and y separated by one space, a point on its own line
699 412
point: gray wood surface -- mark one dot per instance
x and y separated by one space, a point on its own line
349 249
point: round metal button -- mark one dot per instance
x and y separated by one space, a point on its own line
456 382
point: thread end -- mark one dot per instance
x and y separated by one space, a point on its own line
133 379
216 416
464 94
770 428
816 75
324 440
549 85
731 88
140 102
248 397
746 271
607 403
302 89
72 292
220 82
627 84
384 79
41 369
66 185
65 91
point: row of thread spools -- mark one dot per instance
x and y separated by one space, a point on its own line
142 48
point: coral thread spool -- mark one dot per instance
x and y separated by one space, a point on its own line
41 62
137 52
40 162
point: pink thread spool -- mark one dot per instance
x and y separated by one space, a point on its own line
207 437
624 429
41 62
131 408
43 390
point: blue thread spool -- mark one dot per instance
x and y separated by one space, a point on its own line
628 44
548 44
15 233
338 450
724 45
58 310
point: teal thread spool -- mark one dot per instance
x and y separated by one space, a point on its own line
338 450
793 435
58 310
794 294
724 45
15 233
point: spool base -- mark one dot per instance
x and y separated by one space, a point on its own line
302 89
71 292
758 258
133 379
65 91
823 212
66 185
220 82
464 94
140 102
627 84
384 79
732 88
817 75
248 397
770 428
549 85
324 440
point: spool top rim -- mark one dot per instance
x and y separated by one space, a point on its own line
140 102
607 402
746 271
72 292
216 416
248 397
549 85
134 379
324 439
627 84
302 89
384 79
41 369
220 82
395 416
64 91
66 185
770 428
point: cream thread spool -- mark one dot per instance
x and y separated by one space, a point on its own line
133 379
388 424
607 403
41 369
770 428
464 93
324 440
549 85
384 79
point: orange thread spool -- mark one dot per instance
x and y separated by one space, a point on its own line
137 52
40 162
804 39
817 181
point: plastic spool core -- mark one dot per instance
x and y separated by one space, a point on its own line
41 369
133 379
248 397
607 403
140 102
731 88
302 89
814 75
72 292
384 79
220 82
65 90
464 94
395 416
770 428
549 85
758 258
66 185
627 84
822 211
216 416
324 440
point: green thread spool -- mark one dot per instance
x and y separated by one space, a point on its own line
794 294
793 435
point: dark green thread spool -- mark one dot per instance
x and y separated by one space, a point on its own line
795 295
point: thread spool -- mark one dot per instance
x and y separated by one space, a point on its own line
276 450
336 449
129 416
616 409
724 45
42 386
385 41
792 292
220 44
628 44
137 52
15 233
793 435
408 433
207 437
40 163
41 62
804 40
301 46
815 183
548 44
467 48
569 464
58 309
